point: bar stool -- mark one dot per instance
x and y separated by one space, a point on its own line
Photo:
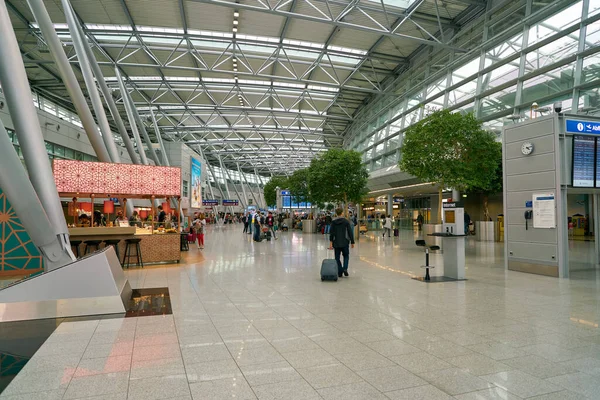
422 243
114 243
75 246
129 245
183 242
91 244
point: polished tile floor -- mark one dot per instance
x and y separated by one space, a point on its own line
253 320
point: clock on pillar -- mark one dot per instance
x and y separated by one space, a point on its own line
527 148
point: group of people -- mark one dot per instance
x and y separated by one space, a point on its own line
257 222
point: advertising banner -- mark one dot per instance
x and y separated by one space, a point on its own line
196 192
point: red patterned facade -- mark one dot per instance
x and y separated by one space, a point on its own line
84 177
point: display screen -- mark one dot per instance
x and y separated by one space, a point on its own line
584 157
196 175
598 162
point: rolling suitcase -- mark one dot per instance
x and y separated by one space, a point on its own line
396 232
329 270
268 236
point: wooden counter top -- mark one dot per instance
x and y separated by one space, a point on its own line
102 231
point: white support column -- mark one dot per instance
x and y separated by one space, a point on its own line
390 204
70 80
160 141
130 116
242 184
88 77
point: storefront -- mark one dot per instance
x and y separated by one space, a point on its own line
107 188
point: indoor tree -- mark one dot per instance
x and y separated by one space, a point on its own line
338 176
297 183
494 186
450 149
270 189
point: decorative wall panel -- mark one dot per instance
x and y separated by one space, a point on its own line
18 254
83 177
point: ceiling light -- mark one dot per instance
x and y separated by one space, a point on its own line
235 69
235 22
234 29
234 59
236 14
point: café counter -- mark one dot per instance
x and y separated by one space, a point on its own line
155 247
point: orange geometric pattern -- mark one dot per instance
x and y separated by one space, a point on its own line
85 177
18 254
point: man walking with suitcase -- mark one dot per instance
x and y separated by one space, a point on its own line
341 236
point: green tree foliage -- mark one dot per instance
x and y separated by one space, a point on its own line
338 176
495 185
270 189
297 183
451 149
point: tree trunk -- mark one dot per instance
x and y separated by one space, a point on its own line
345 205
486 211
440 205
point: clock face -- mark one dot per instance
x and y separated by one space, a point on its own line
527 148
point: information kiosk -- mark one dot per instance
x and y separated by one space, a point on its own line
544 159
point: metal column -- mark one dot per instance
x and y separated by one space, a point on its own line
390 204
242 184
84 63
107 94
242 202
226 185
141 126
27 205
18 97
62 63
165 158
250 187
134 130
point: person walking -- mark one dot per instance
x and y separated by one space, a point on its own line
199 227
467 223
341 237
270 222
328 221
420 221
387 226
257 227
246 223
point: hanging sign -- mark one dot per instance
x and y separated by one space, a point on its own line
230 203
210 202
575 126
544 211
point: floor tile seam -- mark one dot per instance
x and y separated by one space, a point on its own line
80 358
131 355
223 341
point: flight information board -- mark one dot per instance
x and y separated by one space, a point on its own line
584 161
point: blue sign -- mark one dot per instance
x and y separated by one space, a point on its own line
210 202
196 176
529 204
285 192
230 202
575 126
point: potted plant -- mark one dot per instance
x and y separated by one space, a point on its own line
450 150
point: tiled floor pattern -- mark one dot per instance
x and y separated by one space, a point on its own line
254 321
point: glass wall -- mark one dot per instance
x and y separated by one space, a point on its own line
520 52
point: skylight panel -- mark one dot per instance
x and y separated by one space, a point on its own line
347 50
157 29
255 38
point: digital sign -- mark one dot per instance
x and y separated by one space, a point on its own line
584 161
230 202
210 203
196 176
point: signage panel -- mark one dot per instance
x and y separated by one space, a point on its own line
544 214
210 203
196 177
231 202
577 126
584 152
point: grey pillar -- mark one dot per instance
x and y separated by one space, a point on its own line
165 158
107 94
226 185
242 184
84 63
27 205
250 187
62 63
455 195
130 116
242 202
141 126
24 115
390 204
